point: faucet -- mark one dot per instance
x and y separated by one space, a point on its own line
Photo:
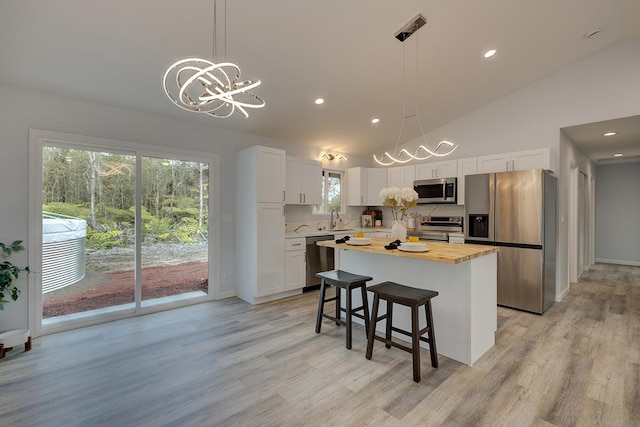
332 223
299 227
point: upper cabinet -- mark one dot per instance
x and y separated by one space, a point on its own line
364 186
303 181
541 158
465 167
401 176
270 174
445 169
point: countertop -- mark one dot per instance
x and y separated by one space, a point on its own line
309 233
450 253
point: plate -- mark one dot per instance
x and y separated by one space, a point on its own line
358 241
404 248
421 245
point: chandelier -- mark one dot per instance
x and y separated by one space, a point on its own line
209 87
423 152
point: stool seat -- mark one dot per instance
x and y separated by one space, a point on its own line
395 293
405 295
348 281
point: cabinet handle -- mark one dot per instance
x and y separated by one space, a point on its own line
296 244
300 197
513 165
283 199
304 197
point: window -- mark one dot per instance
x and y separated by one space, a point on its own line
331 193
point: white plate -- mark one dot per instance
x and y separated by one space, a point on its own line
358 241
413 249
414 245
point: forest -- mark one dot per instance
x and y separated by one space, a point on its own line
99 187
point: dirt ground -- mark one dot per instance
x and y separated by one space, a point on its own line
109 278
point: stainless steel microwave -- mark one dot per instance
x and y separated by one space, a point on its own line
441 190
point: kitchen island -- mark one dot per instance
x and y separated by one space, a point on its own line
465 276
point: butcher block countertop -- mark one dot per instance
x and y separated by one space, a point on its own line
451 253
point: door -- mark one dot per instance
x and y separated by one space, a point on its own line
293 181
518 207
270 174
478 207
520 278
271 247
582 211
136 231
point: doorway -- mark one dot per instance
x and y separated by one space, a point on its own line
134 224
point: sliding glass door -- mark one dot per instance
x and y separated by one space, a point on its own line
174 229
122 232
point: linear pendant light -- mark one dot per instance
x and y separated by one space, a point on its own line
202 86
423 152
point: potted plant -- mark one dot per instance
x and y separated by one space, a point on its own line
9 272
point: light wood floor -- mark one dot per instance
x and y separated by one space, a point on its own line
228 363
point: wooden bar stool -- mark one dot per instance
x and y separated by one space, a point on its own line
409 297
347 281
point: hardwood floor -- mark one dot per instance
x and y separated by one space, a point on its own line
229 363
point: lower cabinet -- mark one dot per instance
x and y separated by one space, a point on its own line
295 264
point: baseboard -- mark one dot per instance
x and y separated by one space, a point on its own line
559 297
619 262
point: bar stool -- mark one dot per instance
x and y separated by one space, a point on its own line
347 281
409 297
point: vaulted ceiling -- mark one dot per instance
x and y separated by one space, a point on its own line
115 52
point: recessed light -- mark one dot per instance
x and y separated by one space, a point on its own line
610 133
375 120
618 155
489 53
319 101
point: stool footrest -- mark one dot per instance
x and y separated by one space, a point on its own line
393 343
335 319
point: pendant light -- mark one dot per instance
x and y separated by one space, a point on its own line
209 87
423 152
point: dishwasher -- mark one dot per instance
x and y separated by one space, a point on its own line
318 259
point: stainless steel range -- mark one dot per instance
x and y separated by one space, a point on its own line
437 227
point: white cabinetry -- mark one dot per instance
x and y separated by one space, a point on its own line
541 158
259 212
303 181
295 265
364 185
383 234
401 176
465 167
447 169
270 166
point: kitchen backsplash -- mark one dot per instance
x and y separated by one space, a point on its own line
297 216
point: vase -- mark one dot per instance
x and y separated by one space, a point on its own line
398 231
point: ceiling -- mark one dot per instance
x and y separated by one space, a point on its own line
600 148
116 52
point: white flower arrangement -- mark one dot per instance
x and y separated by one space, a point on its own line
399 200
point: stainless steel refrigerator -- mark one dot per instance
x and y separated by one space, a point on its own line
517 212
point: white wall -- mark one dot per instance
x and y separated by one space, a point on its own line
572 161
602 87
23 109
618 213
